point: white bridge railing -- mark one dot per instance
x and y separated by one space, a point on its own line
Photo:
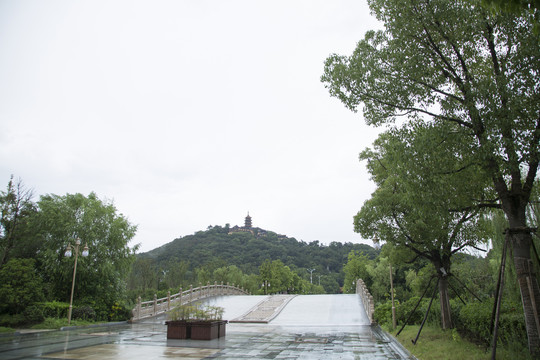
146 309
367 299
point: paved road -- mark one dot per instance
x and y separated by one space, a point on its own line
308 327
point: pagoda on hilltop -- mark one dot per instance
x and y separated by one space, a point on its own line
248 227
247 222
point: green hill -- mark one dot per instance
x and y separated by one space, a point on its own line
247 249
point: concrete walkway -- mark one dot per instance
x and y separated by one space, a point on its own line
314 335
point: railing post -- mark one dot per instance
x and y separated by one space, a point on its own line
138 309
155 304
168 300
190 294
180 297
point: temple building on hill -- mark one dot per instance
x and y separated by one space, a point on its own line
248 227
247 222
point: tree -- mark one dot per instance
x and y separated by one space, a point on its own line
229 274
424 201
101 277
143 275
452 62
356 268
17 207
277 277
176 271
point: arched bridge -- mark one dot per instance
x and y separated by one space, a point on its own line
146 309
157 306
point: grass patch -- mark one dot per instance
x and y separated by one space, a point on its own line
437 344
4 330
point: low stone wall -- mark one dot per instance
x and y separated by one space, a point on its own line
367 299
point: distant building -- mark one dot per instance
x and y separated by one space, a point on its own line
246 228
247 222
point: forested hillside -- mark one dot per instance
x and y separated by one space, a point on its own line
195 258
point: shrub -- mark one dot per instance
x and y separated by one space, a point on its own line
20 285
34 313
84 313
119 312
9 320
383 313
404 310
55 309
474 322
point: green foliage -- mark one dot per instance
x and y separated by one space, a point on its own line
16 211
196 312
470 74
33 314
474 321
405 311
143 275
437 344
55 309
356 268
100 276
20 286
119 312
55 323
84 313
383 314
12 320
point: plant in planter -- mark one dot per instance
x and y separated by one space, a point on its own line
195 322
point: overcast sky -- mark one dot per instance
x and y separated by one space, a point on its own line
186 113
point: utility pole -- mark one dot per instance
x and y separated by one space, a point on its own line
393 306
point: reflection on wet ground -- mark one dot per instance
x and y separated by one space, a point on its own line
308 327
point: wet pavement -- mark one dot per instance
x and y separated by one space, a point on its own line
309 327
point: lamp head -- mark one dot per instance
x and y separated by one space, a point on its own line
85 251
68 251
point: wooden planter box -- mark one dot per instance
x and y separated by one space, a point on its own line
222 324
178 329
196 330
204 330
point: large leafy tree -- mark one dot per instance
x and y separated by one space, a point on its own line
425 199
454 62
101 277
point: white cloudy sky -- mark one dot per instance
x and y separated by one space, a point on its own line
186 113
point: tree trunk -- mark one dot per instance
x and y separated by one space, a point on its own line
444 299
528 285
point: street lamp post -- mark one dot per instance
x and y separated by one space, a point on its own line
68 254
311 275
